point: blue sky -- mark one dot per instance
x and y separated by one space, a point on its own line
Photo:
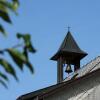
47 22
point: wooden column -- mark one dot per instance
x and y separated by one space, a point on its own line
77 65
59 70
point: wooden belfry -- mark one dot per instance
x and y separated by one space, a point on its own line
68 54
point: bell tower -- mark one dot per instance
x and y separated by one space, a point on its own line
68 54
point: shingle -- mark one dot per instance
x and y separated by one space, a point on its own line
68 46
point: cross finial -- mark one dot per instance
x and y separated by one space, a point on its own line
68 28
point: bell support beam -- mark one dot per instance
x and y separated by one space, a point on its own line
77 65
59 70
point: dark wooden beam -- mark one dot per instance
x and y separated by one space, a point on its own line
59 70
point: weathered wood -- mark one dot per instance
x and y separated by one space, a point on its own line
59 70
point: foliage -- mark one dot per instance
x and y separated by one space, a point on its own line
19 57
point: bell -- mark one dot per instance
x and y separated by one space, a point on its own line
68 69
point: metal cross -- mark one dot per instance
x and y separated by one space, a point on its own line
68 28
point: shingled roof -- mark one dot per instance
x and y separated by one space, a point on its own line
91 68
68 46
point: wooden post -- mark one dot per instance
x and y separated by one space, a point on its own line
59 70
77 65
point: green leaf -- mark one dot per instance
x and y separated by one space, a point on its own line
3 76
8 68
29 65
18 57
5 16
4 84
7 5
15 4
2 6
25 52
25 37
27 41
31 48
4 12
17 1
2 30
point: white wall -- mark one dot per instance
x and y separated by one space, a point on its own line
86 89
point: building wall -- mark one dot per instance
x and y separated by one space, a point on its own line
35 98
85 89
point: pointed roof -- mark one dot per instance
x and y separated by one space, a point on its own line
69 46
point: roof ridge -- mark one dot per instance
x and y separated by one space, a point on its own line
90 62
